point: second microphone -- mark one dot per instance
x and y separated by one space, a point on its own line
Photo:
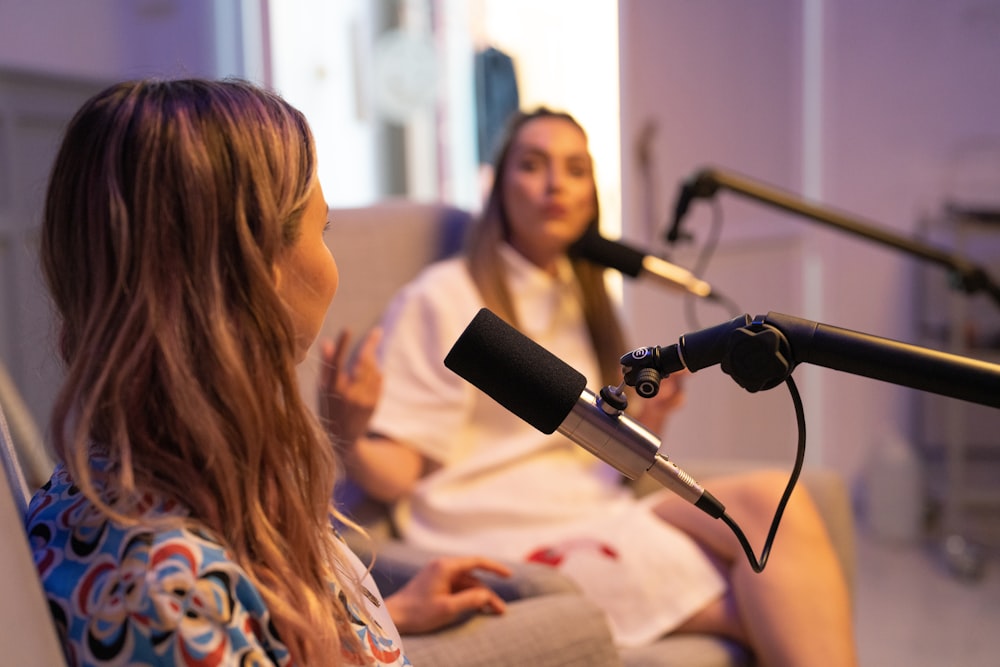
635 263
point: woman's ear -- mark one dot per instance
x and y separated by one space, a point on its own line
276 274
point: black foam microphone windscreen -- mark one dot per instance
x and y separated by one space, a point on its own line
516 372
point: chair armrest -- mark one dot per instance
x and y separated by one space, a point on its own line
545 631
396 563
688 650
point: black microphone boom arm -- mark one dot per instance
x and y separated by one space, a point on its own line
762 352
707 182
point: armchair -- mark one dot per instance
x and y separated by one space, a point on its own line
379 248
29 635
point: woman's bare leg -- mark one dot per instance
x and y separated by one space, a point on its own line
797 612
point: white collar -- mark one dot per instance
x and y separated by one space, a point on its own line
544 303
522 272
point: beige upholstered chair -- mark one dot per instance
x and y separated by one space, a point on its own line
379 248
27 632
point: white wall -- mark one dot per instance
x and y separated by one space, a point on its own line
118 39
53 55
714 83
865 106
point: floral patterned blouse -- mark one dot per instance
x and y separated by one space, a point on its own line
154 596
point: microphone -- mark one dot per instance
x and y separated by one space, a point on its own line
684 198
550 395
634 263
702 184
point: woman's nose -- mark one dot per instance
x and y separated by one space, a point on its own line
555 178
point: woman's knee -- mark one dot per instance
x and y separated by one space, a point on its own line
756 496
752 490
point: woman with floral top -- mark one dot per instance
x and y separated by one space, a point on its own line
189 518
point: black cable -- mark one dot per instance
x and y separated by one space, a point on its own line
758 565
701 265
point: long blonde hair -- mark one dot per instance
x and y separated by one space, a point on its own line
489 275
168 204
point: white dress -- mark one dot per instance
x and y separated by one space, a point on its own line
505 489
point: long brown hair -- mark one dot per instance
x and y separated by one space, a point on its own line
168 204
488 271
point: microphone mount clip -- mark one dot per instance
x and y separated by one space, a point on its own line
754 353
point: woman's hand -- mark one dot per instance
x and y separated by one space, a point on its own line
348 393
442 591
653 412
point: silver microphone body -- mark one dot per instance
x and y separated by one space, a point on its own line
626 445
